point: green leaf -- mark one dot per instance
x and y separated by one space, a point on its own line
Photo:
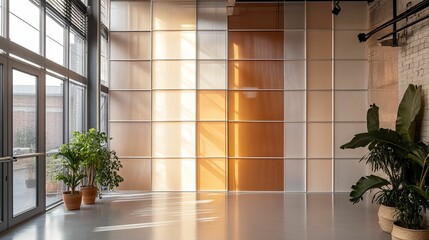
372 120
364 184
408 109
420 191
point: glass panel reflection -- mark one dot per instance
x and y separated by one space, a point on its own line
174 105
211 174
173 139
211 105
174 174
255 74
211 139
253 105
24 185
173 15
255 45
174 45
180 74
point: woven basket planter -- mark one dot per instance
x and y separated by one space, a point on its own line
386 217
400 233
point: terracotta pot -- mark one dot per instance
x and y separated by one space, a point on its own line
72 201
89 194
386 217
400 233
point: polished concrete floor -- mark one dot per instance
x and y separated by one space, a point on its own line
208 216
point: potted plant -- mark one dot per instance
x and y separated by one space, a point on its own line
99 163
388 152
71 174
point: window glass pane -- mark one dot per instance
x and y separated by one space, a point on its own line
255 139
55 41
1 21
24 34
104 75
104 113
319 105
77 54
27 10
173 139
295 140
130 16
252 105
294 45
211 174
212 15
174 174
255 74
174 15
294 175
211 139
174 105
130 75
137 174
294 106
174 45
180 74
211 74
255 45
130 45
77 108
319 74
130 105
256 16
54 136
211 105
319 175
122 133
211 45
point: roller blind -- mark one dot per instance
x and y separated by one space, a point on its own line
72 13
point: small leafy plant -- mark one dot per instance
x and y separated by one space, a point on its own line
71 173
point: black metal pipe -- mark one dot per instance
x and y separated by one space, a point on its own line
402 28
418 7
395 13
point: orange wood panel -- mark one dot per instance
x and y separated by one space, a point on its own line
257 16
319 74
255 139
255 174
136 174
255 45
211 174
211 105
256 105
211 139
255 74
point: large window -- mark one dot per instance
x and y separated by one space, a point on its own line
77 53
76 107
55 41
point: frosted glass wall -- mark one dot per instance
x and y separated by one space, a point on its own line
259 100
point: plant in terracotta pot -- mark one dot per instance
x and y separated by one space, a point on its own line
388 153
71 174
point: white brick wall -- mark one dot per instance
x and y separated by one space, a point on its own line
413 60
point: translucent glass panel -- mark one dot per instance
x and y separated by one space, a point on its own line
319 140
319 104
294 15
211 174
319 15
104 112
53 187
130 75
344 132
211 138
353 16
211 74
180 74
348 47
295 141
294 174
130 15
76 108
294 106
255 45
174 45
104 67
137 174
351 74
77 58
255 139
256 174
294 75
174 15
54 113
319 44
24 185
211 44
55 41
24 24
350 105
174 105
211 105
319 175
130 105
294 45
319 74
125 135
256 16
130 45
347 173
255 75
174 174
252 105
212 15
173 139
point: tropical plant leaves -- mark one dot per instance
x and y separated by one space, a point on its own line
372 119
408 109
364 184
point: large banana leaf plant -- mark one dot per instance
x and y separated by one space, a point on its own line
388 149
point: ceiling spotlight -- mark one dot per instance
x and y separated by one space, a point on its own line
337 8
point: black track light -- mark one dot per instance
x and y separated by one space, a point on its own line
337 8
